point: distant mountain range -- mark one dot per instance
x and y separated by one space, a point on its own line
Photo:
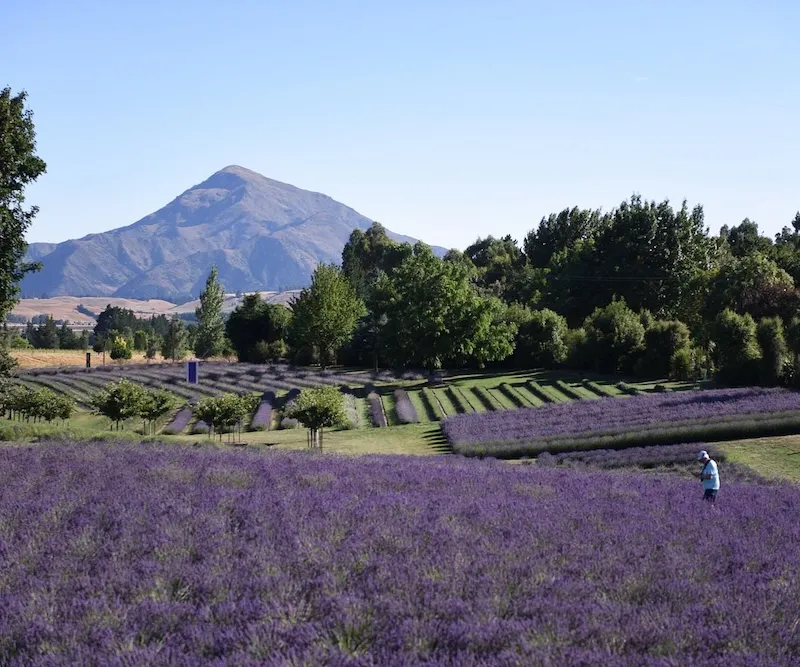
261 234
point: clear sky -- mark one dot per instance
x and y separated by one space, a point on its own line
443 120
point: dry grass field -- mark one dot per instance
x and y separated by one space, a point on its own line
65 307
42 358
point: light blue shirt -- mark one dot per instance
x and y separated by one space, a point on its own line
711 469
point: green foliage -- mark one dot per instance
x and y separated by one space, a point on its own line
774 350
435 317
614 336
225 413
153 344
19 167
36 404
662 341
140 341
8 365
175 341
368 255
119 401
257 330
209 340
736 348
45 336
319 408
682 365
153 405
325 314
541 340
120 348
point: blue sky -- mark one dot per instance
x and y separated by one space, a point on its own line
444 120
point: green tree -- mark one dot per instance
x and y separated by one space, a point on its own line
140 340
67 340
19 167
175 340
367 255
153 405
541 340
662 341
120 348
736 347
614 335
45 336
325 314
435 316
153 345
793 341
774 352
119 401
210 338
256 328
319 408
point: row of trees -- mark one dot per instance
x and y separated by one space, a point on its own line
123 400
23 403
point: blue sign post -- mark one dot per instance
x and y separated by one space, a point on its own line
192 372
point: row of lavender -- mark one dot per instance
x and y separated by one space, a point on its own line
652 419
166 555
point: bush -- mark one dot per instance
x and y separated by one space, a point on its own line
662 341
541 340
376 410
736 348
774 350
406 412
614 336
682 365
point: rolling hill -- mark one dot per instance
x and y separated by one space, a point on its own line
262 235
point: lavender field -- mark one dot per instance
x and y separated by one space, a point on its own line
151 554
643 419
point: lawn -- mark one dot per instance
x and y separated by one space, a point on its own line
774 458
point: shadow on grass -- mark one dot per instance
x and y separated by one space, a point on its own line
434 438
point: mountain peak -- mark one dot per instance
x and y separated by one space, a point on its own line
262 235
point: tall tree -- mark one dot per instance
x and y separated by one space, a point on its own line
435 316
367 255
325 314
174 344
19 166
210 338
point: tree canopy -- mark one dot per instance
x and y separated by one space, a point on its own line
19 167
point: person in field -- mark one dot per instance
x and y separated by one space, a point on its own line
709 476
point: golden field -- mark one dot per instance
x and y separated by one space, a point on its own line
40 358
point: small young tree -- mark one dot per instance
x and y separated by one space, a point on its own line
120 348
319 408
119 401
154 405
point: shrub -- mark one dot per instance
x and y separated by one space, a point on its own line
288 422
614 335
376 410
682 365
406 412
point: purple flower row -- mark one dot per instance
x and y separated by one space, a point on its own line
643 457
610 414
263 416
154 554
376 413
406 412
179 422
